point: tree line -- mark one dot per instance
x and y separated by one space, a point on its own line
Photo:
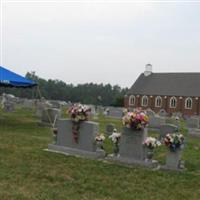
88 93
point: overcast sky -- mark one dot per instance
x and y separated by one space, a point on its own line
83 41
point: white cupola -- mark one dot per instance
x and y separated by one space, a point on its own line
148 69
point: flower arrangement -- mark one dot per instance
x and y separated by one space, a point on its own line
79 112
151 142
99 141
100 137
137 119
115 137
174 141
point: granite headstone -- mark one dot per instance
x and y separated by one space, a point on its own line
85 146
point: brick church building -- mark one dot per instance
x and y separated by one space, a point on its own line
172 92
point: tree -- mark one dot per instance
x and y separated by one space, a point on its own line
88 93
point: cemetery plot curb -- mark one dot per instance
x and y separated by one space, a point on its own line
133 162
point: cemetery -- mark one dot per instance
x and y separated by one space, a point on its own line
51 150
99 100
98 153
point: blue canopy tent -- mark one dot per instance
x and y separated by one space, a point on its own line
11 79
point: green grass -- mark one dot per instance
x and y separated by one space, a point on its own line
28 172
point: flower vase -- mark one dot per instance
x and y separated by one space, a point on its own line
149 154
99 145
99 149
55 132
116 149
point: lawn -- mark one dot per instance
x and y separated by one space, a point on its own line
29 172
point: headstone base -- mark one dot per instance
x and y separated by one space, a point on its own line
76 152
129 161
165 167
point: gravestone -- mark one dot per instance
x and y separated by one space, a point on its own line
131 148
8 102
92 108
167 128
193 122
40 106
49 115
10 97
173 160
177 114
131 144
174 120
8 107
155 122
28 103
109 129
163 113
85 146
2 101
55 104
194 132
115 112
193 126
150 113
20 102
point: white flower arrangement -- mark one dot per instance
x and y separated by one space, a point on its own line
115 137
151 142
100 137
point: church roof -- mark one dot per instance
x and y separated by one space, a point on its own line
167 84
